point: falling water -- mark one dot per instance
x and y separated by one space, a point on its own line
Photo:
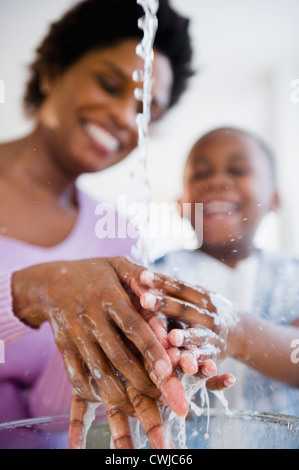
175 426
148 24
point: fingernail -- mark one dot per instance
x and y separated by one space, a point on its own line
163 368
147 277
209 369
148 300
230 381
177 338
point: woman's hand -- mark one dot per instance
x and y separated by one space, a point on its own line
94 324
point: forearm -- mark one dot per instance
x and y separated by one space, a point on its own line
11 328
266 347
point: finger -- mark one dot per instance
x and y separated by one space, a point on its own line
81 417
175 396
198 336
188 362
178 309
172 391
207 369
221 382
129 273
123 358
119 425
174 355
158 324
76 373
100 369
157 321
149 416
125 316
140 333
177 288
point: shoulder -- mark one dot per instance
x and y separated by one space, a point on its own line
278 260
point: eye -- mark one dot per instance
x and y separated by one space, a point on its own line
238 171
109 84
200 174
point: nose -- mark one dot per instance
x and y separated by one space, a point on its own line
219 181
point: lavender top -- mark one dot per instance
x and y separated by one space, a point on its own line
33 380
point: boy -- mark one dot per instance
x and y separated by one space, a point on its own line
233 174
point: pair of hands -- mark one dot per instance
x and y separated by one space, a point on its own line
115 348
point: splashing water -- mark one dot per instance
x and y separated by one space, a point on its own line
148 23
175 426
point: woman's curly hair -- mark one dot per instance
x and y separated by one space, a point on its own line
92 24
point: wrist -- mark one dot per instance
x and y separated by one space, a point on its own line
27 297
237 344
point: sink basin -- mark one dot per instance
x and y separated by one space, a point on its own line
213 430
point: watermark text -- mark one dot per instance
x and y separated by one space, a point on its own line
295 352
156 221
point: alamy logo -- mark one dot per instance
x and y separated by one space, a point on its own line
2 356
134 218
2 92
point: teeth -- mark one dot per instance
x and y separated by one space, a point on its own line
103 137
219 207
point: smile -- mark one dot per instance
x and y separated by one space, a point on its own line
103 139
221 208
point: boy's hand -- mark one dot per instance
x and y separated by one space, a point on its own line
166 302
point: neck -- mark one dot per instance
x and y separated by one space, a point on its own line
30 162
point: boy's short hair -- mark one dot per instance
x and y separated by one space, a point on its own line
92 24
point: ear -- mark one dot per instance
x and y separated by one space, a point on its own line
47 78
44 85
275 202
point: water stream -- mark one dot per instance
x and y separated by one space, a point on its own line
174 425
148 24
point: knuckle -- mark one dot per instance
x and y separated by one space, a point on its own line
112 412
184 308
181 286
140 402
76 423
122 441
131 324
119 359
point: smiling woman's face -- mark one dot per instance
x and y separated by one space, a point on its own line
89 116
229 173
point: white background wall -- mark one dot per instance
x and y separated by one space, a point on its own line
247 52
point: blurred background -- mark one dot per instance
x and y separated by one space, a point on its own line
247 63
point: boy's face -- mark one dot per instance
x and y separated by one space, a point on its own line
229 173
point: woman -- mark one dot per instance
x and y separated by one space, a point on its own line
80 95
